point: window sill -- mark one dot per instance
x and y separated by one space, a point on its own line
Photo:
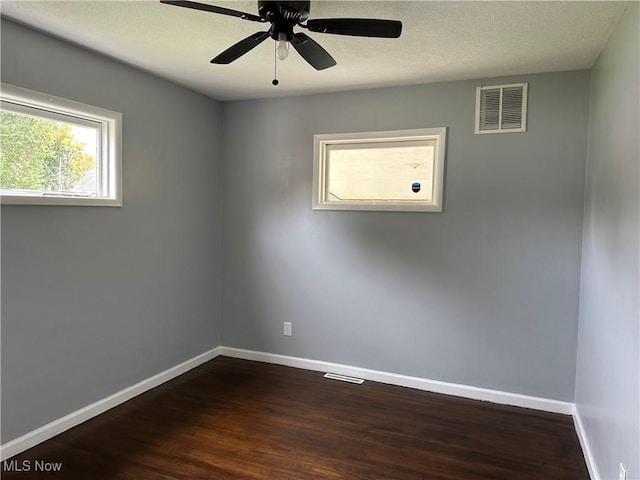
75 201
379 207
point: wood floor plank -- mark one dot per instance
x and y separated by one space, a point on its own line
234 419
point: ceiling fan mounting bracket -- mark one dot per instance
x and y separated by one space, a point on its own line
296 12
283 16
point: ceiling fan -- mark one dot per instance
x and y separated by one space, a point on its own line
283 17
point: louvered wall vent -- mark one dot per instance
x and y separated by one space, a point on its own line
344 378
501 108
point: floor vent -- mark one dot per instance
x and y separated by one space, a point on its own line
343 378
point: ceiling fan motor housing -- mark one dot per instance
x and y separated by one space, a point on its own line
283 16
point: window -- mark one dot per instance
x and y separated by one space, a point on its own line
55 151
398 170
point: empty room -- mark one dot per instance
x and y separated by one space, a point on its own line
260 240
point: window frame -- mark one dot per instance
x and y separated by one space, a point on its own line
109 124
321 142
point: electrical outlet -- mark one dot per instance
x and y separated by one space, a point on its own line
287 329
622 472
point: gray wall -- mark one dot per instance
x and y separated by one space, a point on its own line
607 380
97 299
483 294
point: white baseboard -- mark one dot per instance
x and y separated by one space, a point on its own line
584 443
58 426
466 391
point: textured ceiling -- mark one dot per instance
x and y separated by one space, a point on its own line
440 41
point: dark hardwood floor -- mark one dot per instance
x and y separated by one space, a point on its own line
233 419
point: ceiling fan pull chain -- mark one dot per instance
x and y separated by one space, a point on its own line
275 81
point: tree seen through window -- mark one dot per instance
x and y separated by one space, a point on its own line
46 155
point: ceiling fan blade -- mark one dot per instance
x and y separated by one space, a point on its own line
212 9
240 48
359 27
313 53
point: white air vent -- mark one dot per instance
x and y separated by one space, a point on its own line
344 378
501 108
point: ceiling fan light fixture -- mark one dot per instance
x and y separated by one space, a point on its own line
282 50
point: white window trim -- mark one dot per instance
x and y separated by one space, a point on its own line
53 108
321 142
525 101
